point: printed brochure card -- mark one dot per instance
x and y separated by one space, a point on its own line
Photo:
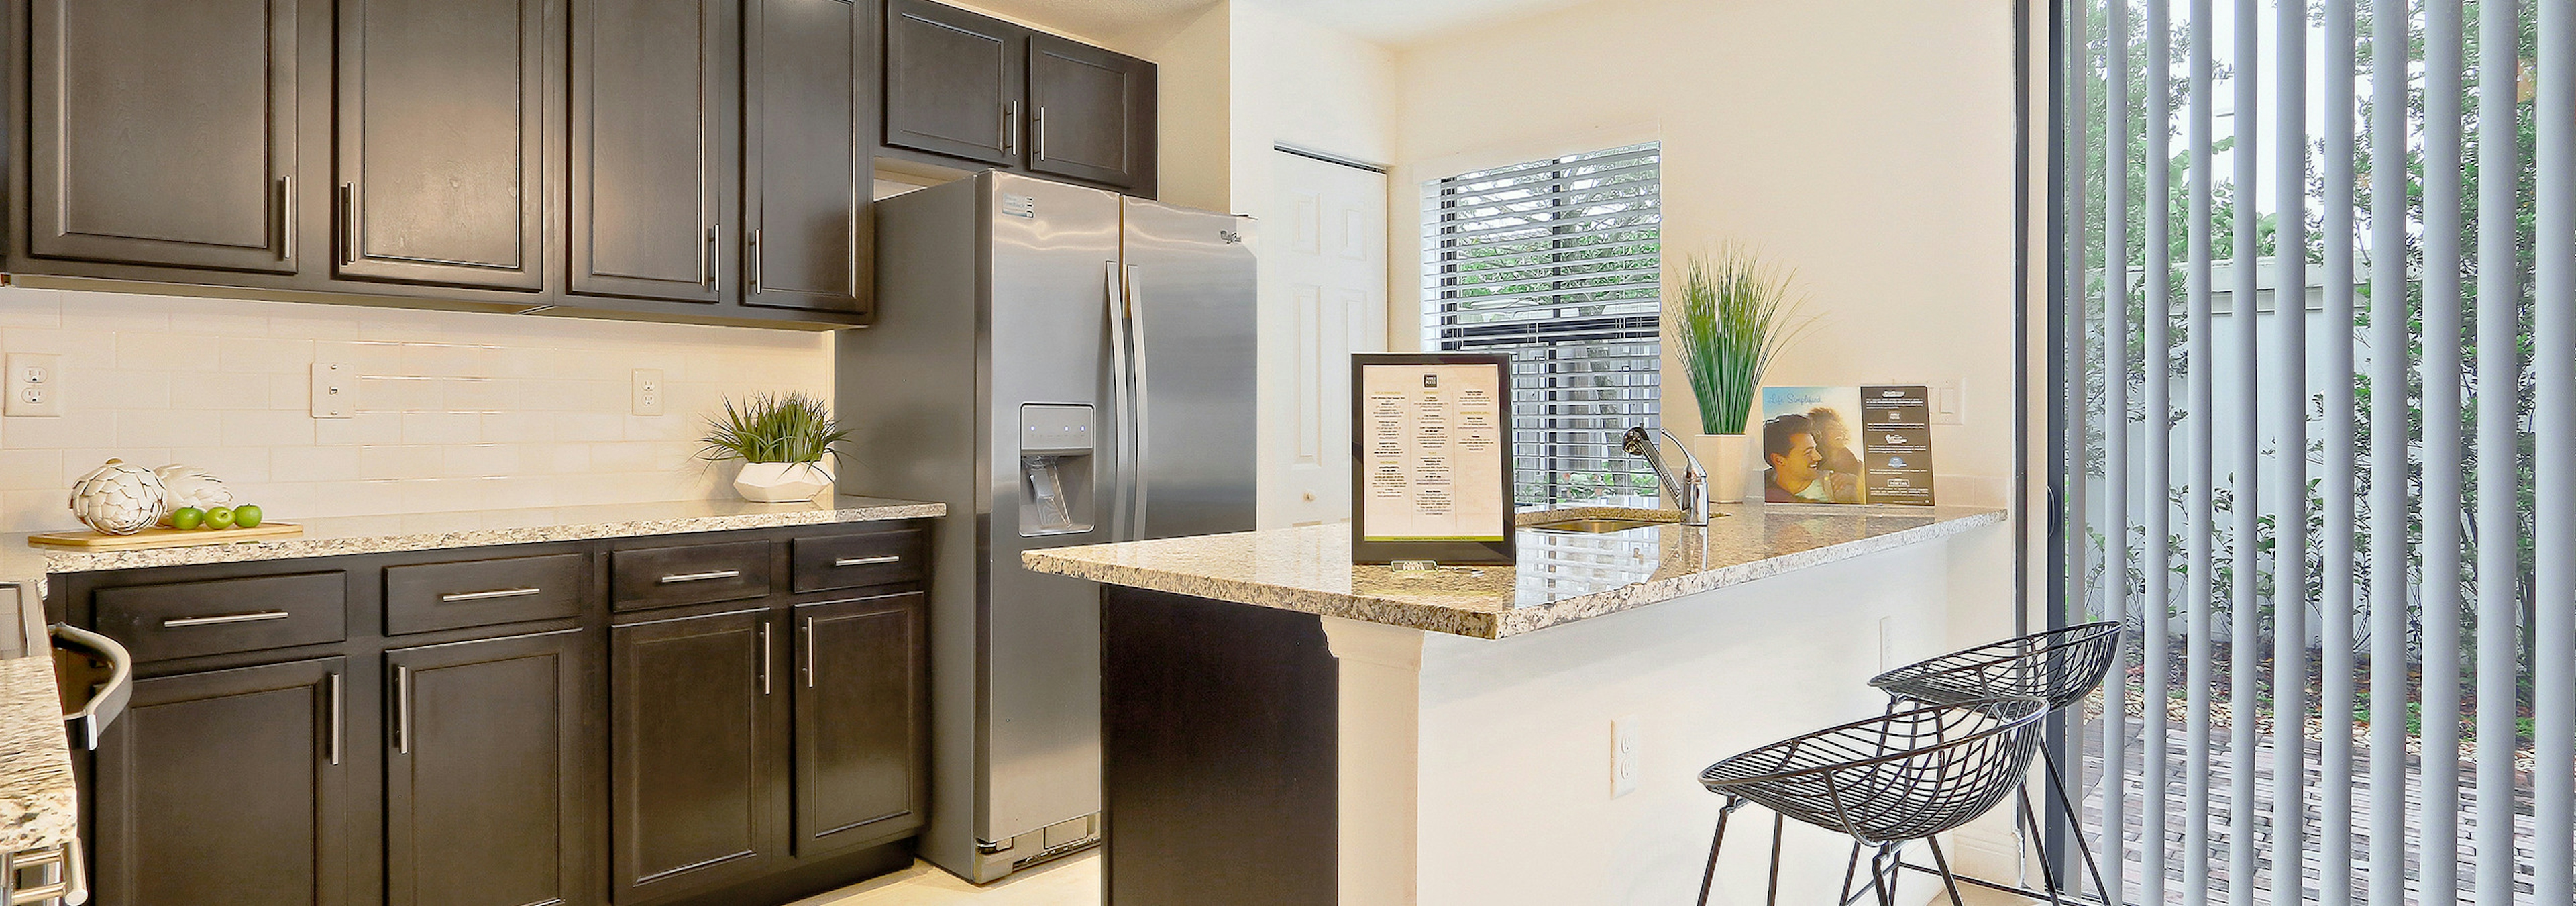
1867 444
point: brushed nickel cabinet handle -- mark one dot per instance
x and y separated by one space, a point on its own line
286 218
867 561
453 597
1011 129
764 657
809 652
348 223
701 577
223 619
402 710
755 259
1038 122
714 233
338 711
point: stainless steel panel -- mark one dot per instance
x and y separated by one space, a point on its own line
1190 284
1041 634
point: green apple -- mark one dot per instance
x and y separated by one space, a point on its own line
187 518
219 518
246 516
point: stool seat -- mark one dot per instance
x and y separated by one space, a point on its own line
1901 776
2061 666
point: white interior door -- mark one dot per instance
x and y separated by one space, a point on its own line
1323 297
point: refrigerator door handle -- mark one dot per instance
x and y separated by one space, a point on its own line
1142 428
1122 402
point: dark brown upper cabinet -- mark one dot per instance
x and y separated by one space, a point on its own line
651 113
805 160
442 141
954 82
164 133
229 786
487 796
861 695
1091 112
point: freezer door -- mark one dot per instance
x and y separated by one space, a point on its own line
1189 285
1046 293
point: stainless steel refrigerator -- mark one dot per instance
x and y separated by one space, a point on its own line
1061 366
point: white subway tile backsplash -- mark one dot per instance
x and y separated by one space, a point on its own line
457 411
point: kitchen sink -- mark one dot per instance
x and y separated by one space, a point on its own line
1596 526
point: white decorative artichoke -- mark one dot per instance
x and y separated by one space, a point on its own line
119 499
192 486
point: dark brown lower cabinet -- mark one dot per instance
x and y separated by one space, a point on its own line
227 787
694 757
860 701
487 757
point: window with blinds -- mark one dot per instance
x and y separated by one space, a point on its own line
1557 262
2316 438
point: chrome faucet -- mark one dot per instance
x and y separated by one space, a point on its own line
1690 494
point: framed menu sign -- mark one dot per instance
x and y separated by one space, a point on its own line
1431 458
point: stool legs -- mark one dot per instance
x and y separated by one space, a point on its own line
1708 877
2076 821
1948 880
2047 871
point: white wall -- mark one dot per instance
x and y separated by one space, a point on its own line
1868 145
456 411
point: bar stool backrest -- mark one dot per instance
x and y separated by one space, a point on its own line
1902 776
2061 666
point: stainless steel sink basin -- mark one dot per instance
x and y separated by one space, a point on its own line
1596 526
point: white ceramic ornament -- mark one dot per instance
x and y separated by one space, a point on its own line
119 499
191 486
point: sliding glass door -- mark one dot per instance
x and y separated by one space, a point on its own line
2317 284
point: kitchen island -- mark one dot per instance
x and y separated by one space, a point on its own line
1284 727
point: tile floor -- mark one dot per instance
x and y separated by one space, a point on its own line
1073 881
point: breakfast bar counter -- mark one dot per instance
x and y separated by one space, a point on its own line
1284 728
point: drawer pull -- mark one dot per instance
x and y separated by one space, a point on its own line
702 577
223 619
867 561
454 597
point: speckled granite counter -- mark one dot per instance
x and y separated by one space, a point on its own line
38 804
1562 577
330 537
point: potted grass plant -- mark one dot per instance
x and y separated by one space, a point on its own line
781 440
1732 313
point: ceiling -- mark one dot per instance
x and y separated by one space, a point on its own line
1394 23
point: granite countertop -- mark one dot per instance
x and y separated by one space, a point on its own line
1562 577
328 537
38 803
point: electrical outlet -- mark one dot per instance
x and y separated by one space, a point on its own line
648 391
1625 752
1886 643
335 390
35 385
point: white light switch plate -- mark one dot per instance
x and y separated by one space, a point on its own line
35 385
648 391
335 390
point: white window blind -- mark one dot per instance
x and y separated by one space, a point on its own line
1559 263
2317 444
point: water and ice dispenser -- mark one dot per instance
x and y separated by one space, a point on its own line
1055 469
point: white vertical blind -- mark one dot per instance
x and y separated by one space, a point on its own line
1558 263
2353 598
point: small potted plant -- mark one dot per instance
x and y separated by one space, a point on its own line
781 441
1732 314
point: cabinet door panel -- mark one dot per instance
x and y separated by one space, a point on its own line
953 81
860 721
804 192
225 787
648 149
1091 112
487 772
693 725
163 132
441 157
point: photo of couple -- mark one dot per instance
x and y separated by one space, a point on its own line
1809 453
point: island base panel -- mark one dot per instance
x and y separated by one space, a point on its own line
1219 733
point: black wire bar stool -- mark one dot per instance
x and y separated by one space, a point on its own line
2061 667
1884 781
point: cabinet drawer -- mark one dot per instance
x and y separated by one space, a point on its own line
693 574
851 561
186 619
427 596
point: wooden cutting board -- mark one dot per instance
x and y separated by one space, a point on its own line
90 540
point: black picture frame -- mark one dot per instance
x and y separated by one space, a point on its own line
1443 551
